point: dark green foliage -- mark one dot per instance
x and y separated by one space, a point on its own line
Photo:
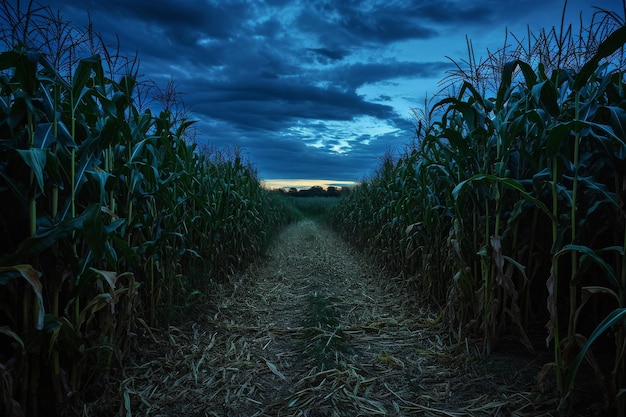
508 212
316 208
325 339
110 218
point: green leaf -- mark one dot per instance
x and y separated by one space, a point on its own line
83 73
42 241
617 118
507 78
596 289
485 104
96 304
32 277
507 183
615 317
546 94
25 68
19 109
602 189
103 181
5 330
36 159
60 329
556 137
611 44
595 256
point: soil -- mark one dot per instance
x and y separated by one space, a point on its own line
315 329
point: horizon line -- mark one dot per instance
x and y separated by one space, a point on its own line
276 183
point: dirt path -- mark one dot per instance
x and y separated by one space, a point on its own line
314 330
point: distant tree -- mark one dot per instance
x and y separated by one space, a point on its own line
316 191
332 191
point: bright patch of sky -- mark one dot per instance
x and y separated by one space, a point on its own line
341 137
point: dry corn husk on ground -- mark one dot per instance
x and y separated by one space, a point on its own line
315 330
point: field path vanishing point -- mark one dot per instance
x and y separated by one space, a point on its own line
313 329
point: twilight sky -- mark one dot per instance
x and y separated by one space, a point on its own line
310 89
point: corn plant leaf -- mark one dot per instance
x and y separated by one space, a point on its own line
103 180
53 169
94 305
486 104
618 119
32 277
545 93
556 137
64 137
83 73
44 240
8 60
60 329
611 44
615 132
530 79
601 189
588 253
184 125
47 99
616 316
507 183
538 118
36 159
127 406
521 268
108 106
503 278
597 289
43 136
109 276
18 112
25 68
86 161
4 105
5 330
96 232
50 73
127 84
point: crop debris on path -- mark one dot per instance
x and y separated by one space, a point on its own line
315 330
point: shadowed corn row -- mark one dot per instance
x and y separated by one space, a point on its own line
509 211
109 218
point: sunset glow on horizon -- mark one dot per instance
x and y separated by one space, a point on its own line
274 184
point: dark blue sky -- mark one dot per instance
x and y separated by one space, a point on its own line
310 89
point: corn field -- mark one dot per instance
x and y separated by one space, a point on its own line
111 219
508 209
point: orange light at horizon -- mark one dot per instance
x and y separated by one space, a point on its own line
273 184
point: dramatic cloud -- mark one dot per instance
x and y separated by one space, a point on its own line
311 89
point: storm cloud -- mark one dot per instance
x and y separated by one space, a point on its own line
308 89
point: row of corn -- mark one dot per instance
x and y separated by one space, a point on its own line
108 218
508 211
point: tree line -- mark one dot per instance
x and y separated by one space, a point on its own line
315 191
